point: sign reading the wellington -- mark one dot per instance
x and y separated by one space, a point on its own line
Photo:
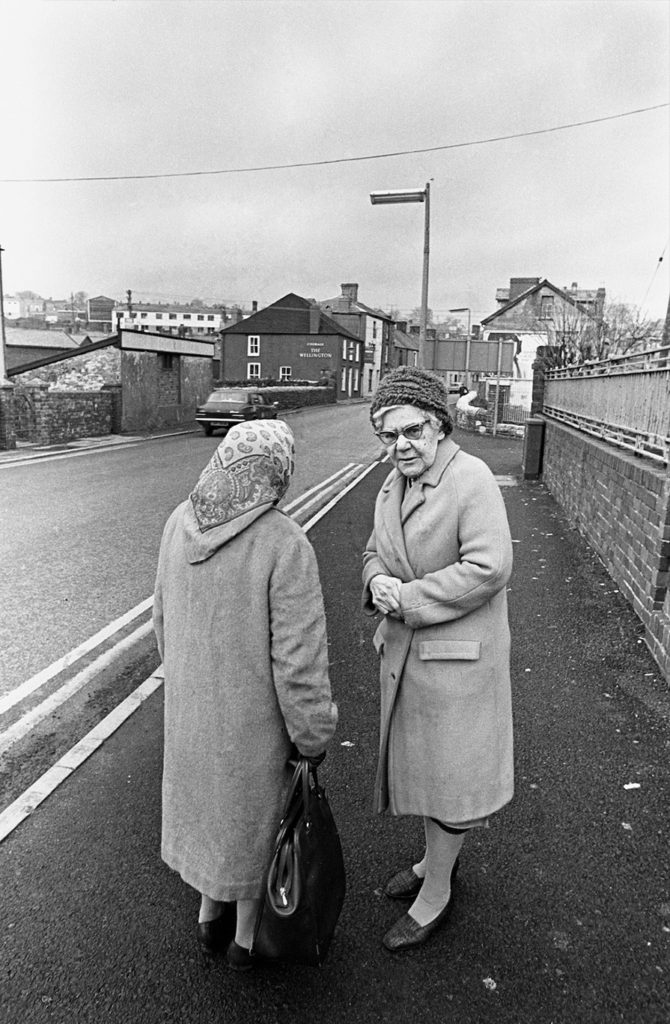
315 350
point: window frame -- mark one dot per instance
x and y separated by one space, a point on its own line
251 373
253 345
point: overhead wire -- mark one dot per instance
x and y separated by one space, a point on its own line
338 160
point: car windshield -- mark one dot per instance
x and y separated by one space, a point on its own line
228 396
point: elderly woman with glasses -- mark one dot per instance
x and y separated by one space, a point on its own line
436 569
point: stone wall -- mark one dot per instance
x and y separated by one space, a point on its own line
299 397
620 503
7 423
55 417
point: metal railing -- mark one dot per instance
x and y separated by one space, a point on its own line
624 400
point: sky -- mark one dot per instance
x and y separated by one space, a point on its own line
121 89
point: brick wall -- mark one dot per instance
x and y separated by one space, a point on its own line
55 417
621 505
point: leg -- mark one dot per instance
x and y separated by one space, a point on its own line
209 909
246 919
442 848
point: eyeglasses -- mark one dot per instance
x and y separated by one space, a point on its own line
411 431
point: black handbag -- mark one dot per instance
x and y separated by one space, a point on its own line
305 884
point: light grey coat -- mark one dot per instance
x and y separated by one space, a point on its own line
239 619
446 714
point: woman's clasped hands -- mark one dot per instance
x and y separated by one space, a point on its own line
385 592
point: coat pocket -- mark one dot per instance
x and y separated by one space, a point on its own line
450 650
378 639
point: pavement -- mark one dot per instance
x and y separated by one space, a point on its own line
561 911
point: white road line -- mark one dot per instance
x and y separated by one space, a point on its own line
30 719
322 485
32 684
338 497
317 497
24 805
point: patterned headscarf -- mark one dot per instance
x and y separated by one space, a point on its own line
251 467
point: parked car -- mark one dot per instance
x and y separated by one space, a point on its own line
227 406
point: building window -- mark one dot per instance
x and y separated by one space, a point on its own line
253 345
159 316
187 316
547 307
374 328
344 349
166 360
199 316
143 316
358 351
356 380
172 316
343 379
284 372
254 371
210 316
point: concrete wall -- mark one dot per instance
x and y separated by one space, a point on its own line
621 505
160 391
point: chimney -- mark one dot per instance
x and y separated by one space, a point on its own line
314 319
574 286
401 325
350 292
254 306
518 285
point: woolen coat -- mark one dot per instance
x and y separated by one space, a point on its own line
240 625
446 712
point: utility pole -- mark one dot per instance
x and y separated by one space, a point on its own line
7 416
423 322
3 361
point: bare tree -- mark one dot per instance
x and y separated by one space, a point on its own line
626 329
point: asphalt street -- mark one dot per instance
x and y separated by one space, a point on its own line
561 910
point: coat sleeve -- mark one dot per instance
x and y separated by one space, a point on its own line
372 566
299 648
485 562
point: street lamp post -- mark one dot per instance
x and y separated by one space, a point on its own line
414 195
466 309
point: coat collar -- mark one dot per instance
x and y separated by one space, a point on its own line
394 486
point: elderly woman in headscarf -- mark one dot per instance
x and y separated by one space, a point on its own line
436 568
239 620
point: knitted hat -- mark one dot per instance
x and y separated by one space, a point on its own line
409 385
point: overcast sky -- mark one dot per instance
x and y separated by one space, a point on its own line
142 88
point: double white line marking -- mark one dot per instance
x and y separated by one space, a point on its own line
23 806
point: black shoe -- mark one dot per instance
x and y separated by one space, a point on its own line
213 936
239 958
407 933
405 885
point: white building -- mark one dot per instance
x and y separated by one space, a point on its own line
169 319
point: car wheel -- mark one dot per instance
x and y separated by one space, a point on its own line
208 428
